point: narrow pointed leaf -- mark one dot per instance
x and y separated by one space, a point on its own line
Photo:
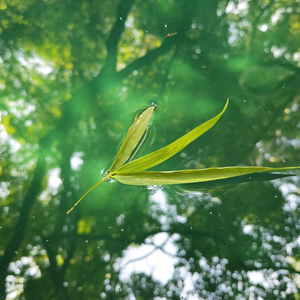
163 154
189 176
224 184
133 136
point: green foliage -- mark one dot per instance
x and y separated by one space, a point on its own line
71 75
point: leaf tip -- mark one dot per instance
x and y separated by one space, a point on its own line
154 105
227 102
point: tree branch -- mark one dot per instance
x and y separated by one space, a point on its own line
54 272
156 247
123 9
20 228
148 58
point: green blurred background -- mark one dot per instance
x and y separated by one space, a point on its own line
74 75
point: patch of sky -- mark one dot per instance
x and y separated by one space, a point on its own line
4 192
23 268
19 108
156 257
13 144
263 27
277 52
35 63
76 161
162 210
275 17
136 33
248 229
129 22
240 8
256 277
296 56
233 33
54 181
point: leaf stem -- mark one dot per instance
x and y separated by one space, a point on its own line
106 177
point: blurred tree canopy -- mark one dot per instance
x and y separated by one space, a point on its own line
74 74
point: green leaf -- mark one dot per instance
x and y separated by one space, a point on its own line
133 136
163 154
132 173
224 184
189 176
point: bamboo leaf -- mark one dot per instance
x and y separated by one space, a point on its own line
133 136
189 176
132 173
163 154
223 184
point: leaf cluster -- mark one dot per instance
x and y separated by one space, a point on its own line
134 172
